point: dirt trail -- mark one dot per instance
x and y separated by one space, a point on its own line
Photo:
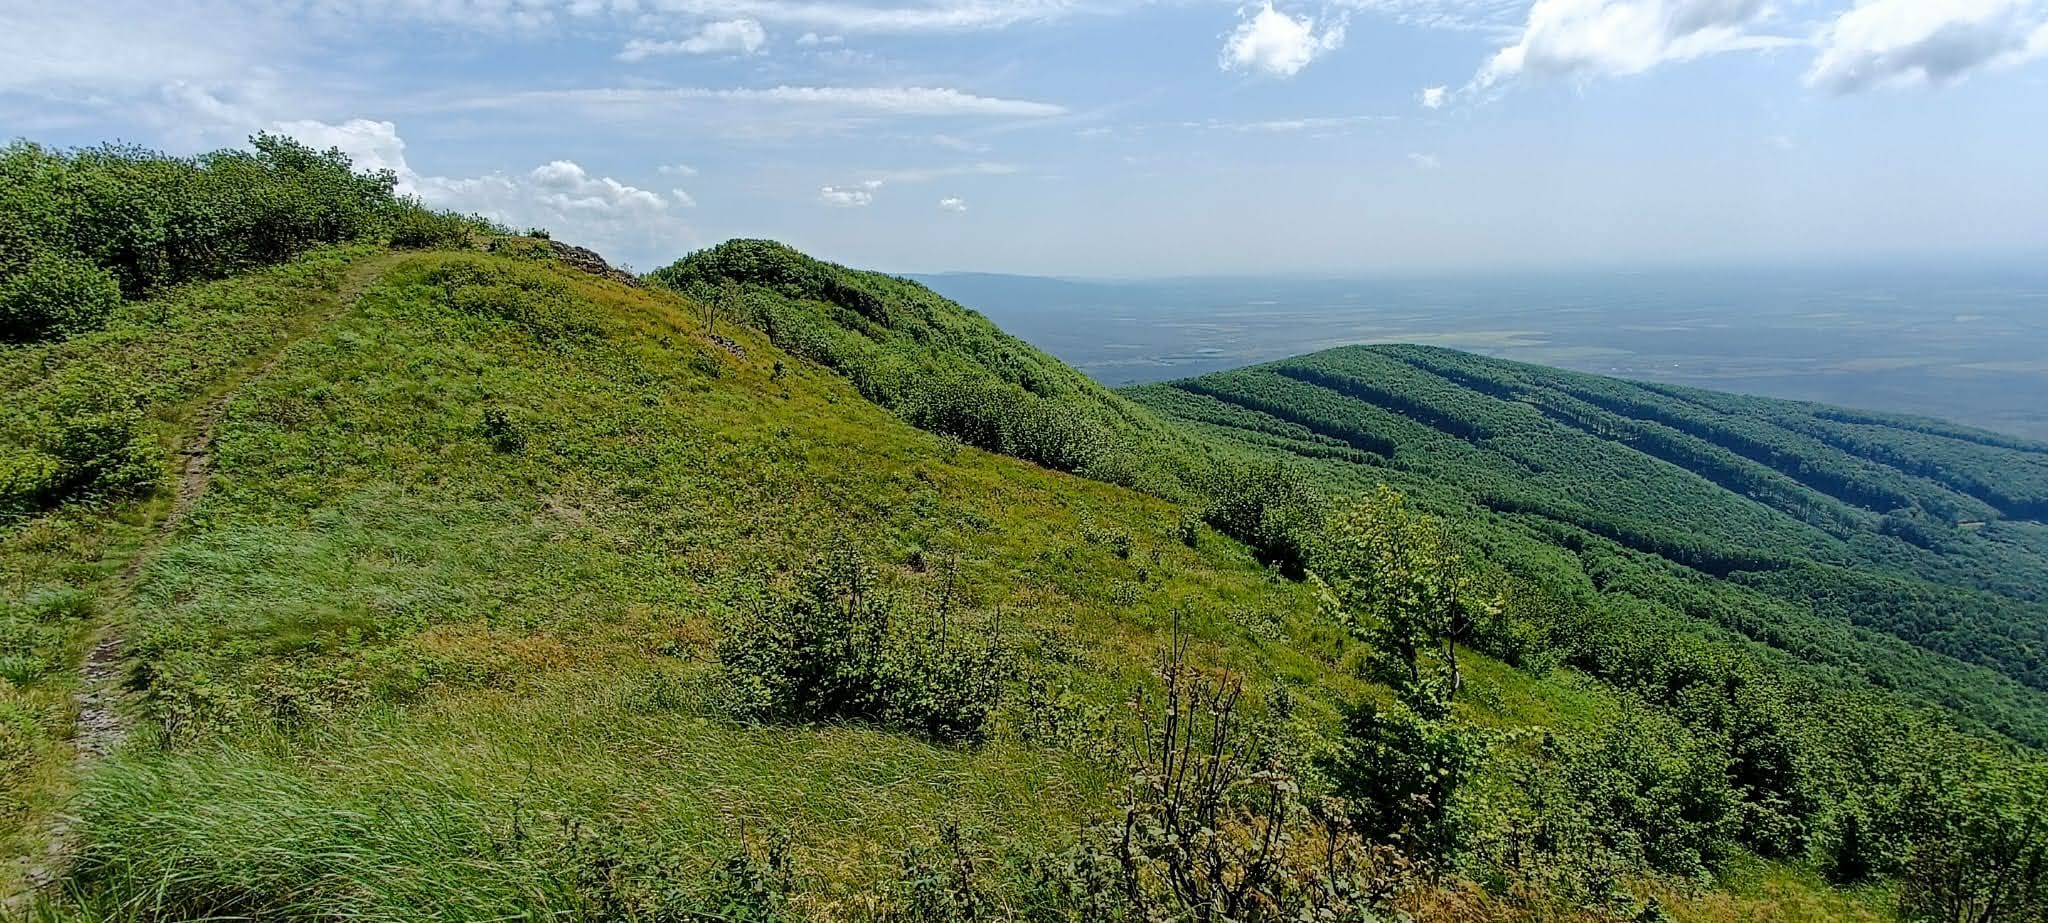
102 721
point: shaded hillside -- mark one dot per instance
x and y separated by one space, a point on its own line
940 366
1832 531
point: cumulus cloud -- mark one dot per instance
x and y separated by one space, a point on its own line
953 204
1271 42
370 144
734 36
1435 97
1891 43
1425 161
621 220
1615 38
857 196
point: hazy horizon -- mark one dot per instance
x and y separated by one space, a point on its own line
1964 343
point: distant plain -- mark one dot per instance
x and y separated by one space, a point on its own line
1968 344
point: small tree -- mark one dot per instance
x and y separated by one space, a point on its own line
1989 862
1401 772
727 302
1398 580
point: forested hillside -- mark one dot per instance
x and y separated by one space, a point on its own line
1831 535
401 568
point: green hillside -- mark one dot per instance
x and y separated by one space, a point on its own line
1898 550
420 571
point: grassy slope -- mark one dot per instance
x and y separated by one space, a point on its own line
396 672
64 571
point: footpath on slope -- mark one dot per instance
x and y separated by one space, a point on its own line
103 722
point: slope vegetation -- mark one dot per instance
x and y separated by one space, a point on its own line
1829 533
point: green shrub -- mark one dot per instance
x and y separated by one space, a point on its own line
1272 508
416 227
1655 793
55 296
502 433
1402 773
91 446
838 650
1216 826
150 220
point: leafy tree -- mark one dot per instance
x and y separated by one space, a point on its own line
1398 579
1988 862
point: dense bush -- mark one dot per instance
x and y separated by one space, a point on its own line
1402 773
78 229
88 445
1272 508
54 296
1655 793
840 650
417 227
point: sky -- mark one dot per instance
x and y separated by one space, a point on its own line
1115 137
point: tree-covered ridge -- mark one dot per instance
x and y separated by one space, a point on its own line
1822 537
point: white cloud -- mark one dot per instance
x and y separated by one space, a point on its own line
850 196
812 38
1434 97
953 204
1892 43
676 169
1425 161
1275 43
617 219
905 101
1615 38
371 145
733 36
925 174
682 198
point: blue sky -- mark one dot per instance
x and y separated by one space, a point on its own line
1105 137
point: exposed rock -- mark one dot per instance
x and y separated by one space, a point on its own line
569 254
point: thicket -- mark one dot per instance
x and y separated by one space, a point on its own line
82 230
84 443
